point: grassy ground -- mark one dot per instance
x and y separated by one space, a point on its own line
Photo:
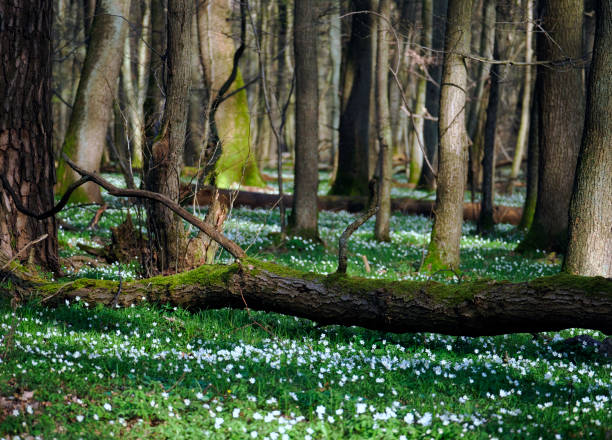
145 372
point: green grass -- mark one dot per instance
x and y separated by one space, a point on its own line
146 372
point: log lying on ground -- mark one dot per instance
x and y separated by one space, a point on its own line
471 211
470 309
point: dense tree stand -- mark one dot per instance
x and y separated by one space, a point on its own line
470 308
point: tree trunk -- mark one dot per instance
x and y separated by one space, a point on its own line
417 140
166 230
485 221
428 179
335 53
304 213
443 251
590 229
86 134
236 163
531 197
407 205
156 87
353 172
521 140
135 96
471 309
383 126
26 153
561 100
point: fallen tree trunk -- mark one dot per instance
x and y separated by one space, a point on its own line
251 199
470 308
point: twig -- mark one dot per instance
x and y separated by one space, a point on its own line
343 241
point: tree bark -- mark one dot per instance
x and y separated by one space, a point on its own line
590 227
166 230
236 159
523 133
353 172
383 125
443 251
470 309
304 213
407 205
432 102
531 197
26 153
485 220
417 140
561 100
86 135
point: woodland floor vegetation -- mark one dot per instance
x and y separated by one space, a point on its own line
146 372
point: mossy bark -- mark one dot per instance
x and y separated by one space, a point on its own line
86 135
532 169
471 309
236 163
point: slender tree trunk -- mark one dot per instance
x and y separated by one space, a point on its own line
335 52
487 41
531 197
353 149
135 96
417 139
166 230
561 101
485 221
156 87
521 140
304 213
86 134
590 229
236 162
471 308
383 125
432 102
476 121
26 153
443 251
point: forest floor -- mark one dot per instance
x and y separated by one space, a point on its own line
146 372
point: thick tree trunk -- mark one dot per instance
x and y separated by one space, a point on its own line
26 153
470 309
407 205
383 126
353 172
590 235
86 134
432 102
304 213
166 230
236 162
561 101
443 251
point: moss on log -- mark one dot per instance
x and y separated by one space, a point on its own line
470 308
